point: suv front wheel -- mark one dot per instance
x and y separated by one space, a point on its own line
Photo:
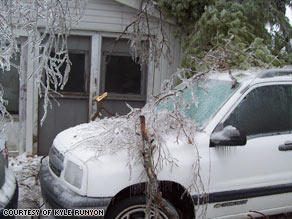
134 208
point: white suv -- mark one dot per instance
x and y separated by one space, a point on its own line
244 140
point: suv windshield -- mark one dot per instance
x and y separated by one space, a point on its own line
209 96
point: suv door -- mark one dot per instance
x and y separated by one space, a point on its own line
263 167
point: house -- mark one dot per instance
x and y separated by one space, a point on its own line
90 45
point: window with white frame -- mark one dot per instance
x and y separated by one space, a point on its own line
121 75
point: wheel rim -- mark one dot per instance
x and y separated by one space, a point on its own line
138 212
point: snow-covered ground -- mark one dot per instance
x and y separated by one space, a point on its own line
26 169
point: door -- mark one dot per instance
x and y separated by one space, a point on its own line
258 175
73 106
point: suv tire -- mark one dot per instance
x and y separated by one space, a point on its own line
134 208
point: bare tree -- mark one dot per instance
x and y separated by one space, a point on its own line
46 25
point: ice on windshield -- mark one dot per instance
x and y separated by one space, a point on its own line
209 96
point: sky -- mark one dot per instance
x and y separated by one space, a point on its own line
289 14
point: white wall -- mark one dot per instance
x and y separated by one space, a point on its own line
106 15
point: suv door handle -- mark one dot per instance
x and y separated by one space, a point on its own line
287 146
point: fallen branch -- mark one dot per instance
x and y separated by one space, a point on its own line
257 212
154 195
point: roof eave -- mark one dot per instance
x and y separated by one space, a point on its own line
136 4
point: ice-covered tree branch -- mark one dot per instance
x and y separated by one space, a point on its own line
46 25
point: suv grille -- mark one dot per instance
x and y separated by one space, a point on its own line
56 161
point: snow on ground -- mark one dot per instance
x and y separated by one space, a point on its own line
26 170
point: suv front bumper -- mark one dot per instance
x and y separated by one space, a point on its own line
58 196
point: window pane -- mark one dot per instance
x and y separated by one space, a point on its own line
264 110
10 83
123 75
76 80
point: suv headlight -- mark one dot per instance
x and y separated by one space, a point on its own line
73 174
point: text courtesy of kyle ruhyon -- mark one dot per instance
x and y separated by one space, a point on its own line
54 212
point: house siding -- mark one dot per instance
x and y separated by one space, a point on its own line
105 15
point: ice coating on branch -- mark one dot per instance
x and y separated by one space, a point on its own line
47 24
115 133
110 135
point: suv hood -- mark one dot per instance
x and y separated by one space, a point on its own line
86 138
112 135
74 136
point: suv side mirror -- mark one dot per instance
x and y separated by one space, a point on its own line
228 136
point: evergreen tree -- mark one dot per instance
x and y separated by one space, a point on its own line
232 33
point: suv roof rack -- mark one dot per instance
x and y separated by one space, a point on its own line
275 73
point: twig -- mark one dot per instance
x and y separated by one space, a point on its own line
260 213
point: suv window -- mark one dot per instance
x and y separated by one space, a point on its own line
210 96
263 111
